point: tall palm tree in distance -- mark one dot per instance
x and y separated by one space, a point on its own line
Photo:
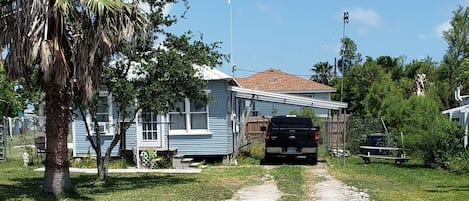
322 72
61 45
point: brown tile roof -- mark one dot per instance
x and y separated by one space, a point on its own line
276 80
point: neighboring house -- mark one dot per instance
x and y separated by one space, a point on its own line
461 113
194 129
276 81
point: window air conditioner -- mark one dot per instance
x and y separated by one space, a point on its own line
102 128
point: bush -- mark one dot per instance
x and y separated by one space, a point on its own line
255 150
358 129
428 133
459 163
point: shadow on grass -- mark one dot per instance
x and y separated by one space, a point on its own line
449 188
285 161
85 185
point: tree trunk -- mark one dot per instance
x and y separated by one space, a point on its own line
103 168
57 175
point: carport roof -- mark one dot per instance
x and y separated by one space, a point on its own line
286 99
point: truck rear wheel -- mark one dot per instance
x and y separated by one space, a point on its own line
313 160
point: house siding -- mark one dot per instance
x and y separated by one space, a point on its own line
83 147
220 139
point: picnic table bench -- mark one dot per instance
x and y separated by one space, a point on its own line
388 153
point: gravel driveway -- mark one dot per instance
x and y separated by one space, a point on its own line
328 188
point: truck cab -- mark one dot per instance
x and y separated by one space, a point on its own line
291 136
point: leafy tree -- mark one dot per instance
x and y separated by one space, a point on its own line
376 94
391 66
66 42
16 95
427 132
160 77
322 72
357 82
349 55
9 104
426 66
457 38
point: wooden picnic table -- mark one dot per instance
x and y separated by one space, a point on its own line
399 156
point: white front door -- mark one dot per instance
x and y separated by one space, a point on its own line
150 130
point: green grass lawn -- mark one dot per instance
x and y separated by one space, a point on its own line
214 183
388 181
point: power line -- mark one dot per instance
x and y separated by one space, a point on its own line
253 71
332 35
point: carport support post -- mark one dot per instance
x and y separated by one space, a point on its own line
337 135
465 129
344 131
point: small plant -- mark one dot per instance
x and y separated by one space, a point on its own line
256 150
151 160
86 162
118 164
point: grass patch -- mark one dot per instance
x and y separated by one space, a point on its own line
214 183
291 182
388 181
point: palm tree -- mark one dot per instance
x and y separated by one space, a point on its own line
322 72
66 42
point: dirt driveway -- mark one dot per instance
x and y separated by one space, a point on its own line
324 187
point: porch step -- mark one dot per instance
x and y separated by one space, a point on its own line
180 162
195 164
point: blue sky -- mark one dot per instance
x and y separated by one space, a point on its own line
294 35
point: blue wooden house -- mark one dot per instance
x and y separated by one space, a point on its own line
192 128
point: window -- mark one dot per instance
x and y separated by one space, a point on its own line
188 115
103 116
198 115
177 117
149 126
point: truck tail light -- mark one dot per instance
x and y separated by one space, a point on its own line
316 136
267 135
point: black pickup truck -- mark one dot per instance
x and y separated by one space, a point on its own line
291 136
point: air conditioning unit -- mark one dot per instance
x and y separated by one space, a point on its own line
102 127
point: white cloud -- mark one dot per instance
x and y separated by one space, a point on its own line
366 16
444 26
146 8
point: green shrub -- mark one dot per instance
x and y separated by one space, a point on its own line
459 163
428 133
256 150
86 162
118 164
358 129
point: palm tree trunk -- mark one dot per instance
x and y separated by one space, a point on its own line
57 175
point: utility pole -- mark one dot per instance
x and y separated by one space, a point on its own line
344 46
233 66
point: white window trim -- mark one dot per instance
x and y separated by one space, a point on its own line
189 130
110 128
157 128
